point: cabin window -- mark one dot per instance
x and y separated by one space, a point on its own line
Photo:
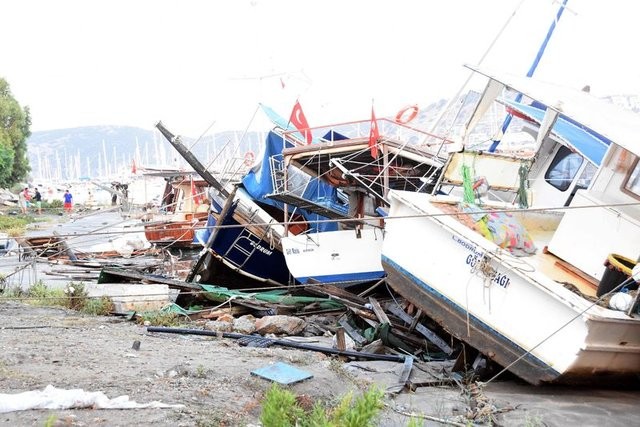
633 182
563 169
586 176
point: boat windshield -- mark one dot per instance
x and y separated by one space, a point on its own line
563 169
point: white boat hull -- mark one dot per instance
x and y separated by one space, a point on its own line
502 305
334 256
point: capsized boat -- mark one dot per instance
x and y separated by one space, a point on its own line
519 283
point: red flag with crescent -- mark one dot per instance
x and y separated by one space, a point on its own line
300 122
374 134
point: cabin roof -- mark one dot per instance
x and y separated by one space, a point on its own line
620 126
593 147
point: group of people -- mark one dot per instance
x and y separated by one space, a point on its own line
25 200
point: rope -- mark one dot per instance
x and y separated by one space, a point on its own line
522 186
467 185
624 283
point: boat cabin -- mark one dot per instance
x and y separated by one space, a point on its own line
585 165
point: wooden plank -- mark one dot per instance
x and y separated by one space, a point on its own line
352 332
340 339
335 291
380 314
404 376
148 278
426 332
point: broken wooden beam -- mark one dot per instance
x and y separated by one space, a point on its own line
352 332
379 312
109 273
426 332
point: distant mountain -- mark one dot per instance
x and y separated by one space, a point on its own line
80 153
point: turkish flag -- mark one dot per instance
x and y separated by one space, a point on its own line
300 122
133 166
374 134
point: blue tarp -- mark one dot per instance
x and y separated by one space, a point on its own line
259 184
587 142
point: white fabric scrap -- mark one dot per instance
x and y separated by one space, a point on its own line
58 398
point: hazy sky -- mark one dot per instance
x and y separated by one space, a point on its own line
192 63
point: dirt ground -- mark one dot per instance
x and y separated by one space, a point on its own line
212 378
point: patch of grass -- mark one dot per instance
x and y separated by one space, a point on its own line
17 222
53 205
201 372
15 231
415 422
98 306
76 296
51 420
39 294
160 318
281 408
10 293
14 225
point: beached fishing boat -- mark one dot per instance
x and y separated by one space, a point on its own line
520 284
182 215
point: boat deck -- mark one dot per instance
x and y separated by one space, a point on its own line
539 226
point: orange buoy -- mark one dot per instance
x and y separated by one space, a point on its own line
407 114
249 158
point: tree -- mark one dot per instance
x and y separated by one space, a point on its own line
14 131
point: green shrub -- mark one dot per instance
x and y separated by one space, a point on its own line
54 204
39 294
98 306
14 225
76 296
160 318
280 408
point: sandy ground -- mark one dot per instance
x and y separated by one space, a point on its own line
212 378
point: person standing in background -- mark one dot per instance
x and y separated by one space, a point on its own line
27 196
22 202
38 199
68 201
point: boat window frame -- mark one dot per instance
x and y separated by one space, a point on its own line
561 156
634 169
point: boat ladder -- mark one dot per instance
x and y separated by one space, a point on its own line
246 244
277 175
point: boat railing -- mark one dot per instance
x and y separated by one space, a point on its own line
388 128
233 170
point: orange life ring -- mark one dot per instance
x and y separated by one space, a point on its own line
249 158
400 117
